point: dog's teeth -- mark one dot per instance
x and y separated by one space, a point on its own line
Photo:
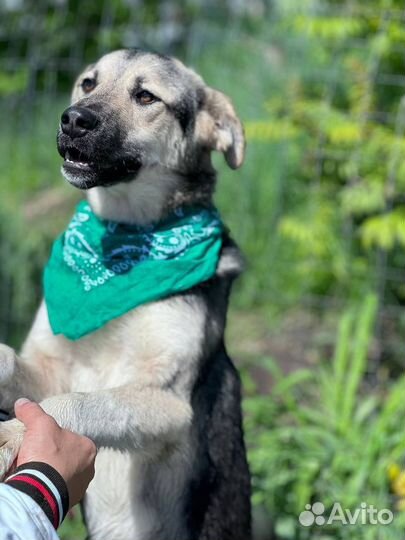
78 163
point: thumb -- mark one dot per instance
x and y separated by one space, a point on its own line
27 411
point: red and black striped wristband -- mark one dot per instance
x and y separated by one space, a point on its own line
45 486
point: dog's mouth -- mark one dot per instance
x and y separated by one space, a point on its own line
84 171
73 158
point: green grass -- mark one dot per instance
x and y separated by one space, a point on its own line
325 435
73 527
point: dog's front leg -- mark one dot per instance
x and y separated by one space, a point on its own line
125 418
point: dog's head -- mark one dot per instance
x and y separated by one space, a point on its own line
134 112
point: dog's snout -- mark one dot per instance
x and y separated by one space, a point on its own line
77 121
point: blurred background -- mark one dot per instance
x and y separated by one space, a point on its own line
317 322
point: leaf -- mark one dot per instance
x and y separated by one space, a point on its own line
270 130
363 198
385 230
357 365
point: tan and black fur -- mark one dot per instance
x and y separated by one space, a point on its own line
155 389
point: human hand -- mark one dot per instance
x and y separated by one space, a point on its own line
70 454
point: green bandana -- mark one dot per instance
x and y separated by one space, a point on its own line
99 270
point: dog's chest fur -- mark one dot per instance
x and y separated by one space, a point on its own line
156 344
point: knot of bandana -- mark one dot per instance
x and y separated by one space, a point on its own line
98 269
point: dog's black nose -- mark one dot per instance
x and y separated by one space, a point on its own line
77 121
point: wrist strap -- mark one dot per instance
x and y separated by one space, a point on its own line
45 486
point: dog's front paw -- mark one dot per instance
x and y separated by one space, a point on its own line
7 363
11 436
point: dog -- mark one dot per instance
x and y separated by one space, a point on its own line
154 388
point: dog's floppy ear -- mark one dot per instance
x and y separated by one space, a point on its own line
218 127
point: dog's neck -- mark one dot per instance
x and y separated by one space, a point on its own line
149 197
139 201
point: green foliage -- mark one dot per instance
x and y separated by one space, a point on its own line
30 165
346 143
13 83
325 436
386 230
73 527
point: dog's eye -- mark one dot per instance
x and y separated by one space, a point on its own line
88 85
145 98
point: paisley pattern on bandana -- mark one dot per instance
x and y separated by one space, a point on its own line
100 269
